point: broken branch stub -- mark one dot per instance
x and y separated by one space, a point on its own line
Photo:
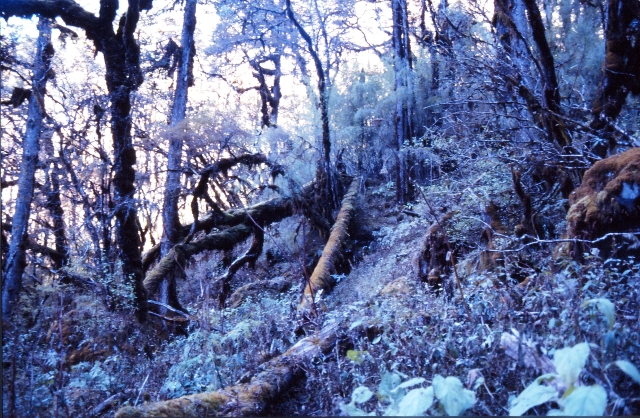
321 277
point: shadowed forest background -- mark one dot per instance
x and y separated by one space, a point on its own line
320 207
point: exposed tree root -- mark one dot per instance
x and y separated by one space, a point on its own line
321 277
243 399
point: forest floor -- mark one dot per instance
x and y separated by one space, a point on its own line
395 327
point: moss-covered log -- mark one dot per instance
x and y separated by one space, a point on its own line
263 213
224 240
321 277
273 210
243 399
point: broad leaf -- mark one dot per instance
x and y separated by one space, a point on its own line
605 306
570 361
535 394
361 394
586 401
410 382
416 402
455 399
351 410
629 369
389 382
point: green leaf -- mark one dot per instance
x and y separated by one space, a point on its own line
629 369
455 399
586 401
358 357
361 394
351 410
605 306
570 361
416 402
389 382
535 394
410 382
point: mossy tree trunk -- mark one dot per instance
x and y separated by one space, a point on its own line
620 70
170 219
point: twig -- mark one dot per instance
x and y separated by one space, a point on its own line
172 309
104 405
557 241
141 387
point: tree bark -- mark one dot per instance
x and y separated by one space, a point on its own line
551 95
321 276
248 399
273 210
15 263
170 220
402 67
270 97
329 178
54 205
620 70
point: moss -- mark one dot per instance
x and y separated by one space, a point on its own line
606 201
321 277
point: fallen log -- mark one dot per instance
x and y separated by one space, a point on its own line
321 277
180 253
251 398
262 213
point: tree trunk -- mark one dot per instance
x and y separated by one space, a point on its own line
323 93
242 226
248 399
170 219
551 95
620 70
16 255
402 67
321 278
270 97
54 205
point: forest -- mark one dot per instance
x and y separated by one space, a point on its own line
320 207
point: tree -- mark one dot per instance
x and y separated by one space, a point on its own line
257 31
551 93
402 66
330 189
620 70
170 220
15 263
123 76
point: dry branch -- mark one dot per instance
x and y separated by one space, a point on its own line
321 277
243 399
